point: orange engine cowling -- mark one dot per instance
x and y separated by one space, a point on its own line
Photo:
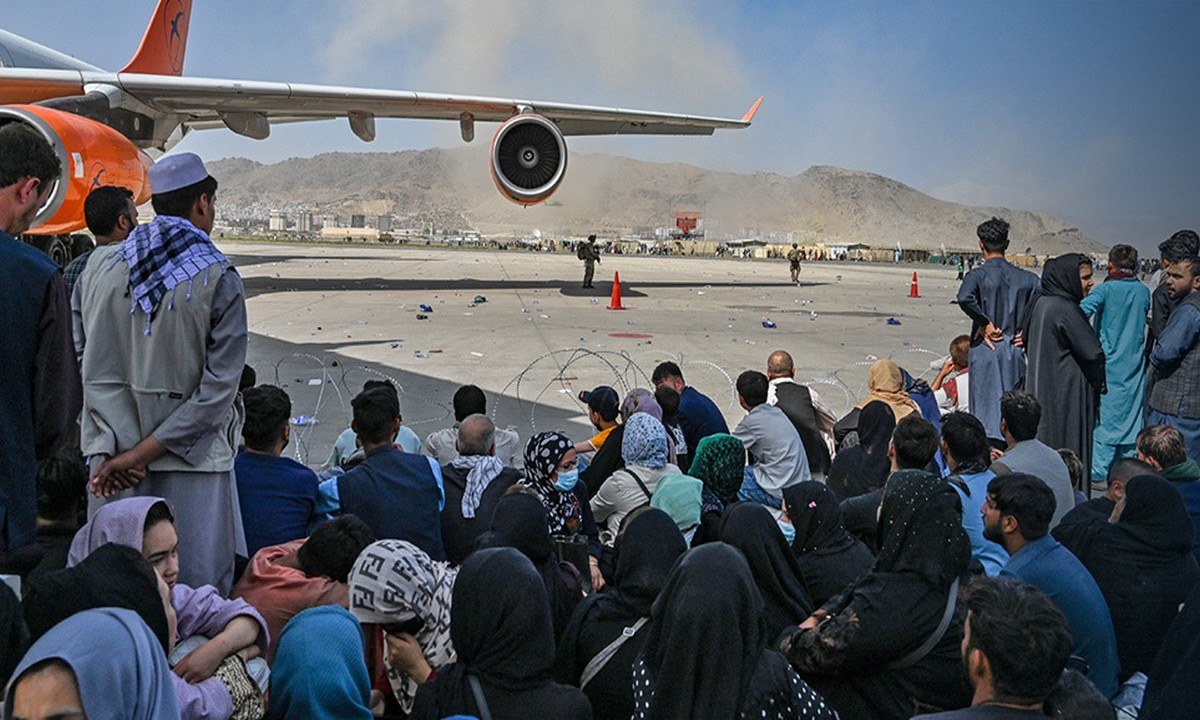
92 154
529 158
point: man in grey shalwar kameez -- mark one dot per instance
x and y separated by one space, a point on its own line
994 296
160 330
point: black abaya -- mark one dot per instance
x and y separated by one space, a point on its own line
706 655
501 629
647 548
1172 691
1143 564
860 469
749 527
1065 363
830 558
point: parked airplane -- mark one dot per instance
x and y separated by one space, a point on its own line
104 125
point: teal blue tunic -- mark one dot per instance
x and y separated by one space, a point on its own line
1119 310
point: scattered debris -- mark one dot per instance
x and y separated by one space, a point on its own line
426 308
768 324
422 316
893 321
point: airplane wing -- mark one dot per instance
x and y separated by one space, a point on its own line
245 105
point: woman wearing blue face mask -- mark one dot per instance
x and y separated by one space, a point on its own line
552 474
752 529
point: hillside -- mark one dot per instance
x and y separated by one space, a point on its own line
608 195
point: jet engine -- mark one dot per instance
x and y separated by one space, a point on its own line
529 158
92 154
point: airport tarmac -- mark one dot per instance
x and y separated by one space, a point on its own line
323 319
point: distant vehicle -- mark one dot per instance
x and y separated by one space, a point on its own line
104 124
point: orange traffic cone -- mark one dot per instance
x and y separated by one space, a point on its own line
615 304
913 292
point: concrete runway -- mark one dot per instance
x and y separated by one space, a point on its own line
323 319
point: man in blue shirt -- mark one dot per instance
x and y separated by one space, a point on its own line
698 415
1017 515
965 447
277 495
1175 398
399 495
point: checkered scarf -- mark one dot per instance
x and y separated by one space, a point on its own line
162 255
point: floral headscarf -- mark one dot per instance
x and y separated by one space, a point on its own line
543 453
720 463
644 442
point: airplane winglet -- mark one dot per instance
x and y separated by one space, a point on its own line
163 45
753 109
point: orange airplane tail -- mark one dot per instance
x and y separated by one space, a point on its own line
163 45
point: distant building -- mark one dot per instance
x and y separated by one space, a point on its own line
304 223
359 233
277 223
384 223
358 221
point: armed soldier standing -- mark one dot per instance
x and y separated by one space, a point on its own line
590 256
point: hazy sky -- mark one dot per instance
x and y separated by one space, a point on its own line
1087 110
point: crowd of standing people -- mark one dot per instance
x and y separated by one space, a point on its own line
936 551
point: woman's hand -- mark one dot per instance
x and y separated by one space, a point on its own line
597 578
405 654
201 663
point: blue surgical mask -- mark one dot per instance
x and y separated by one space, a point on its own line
788 530
567 479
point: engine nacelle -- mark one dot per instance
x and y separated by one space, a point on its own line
529 158
92 154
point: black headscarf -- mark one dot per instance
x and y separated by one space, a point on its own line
1155 522
111 576
519 522
749 527
500 620
817 517
646 550
707 635
865 467
13 636
1172 691
920 529
1060 278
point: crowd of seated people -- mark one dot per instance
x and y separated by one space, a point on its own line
919 564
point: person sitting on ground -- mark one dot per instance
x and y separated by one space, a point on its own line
953 394
474 481
347 450
682 498
811 417
644 451
829 558
277 495
1162 447
209 627
647 548
668 399
1020 415
965 447
1076 471
885 382
1017 515
399 495
1172 691
61 480
910 452
766 543
398 588
520 522
603 406
853 650
102 663
1101 507
698 414
1015 648
864 468
774 445
552 475
504 638
320 672
1142 560
284 580
710 601
14 637
1076 698
719 464
443 444
608 460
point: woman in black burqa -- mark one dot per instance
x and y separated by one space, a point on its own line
520 522
865 467
829 557
706 655
1064 361
749 527
1143 563
501 630
647 548
889 647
